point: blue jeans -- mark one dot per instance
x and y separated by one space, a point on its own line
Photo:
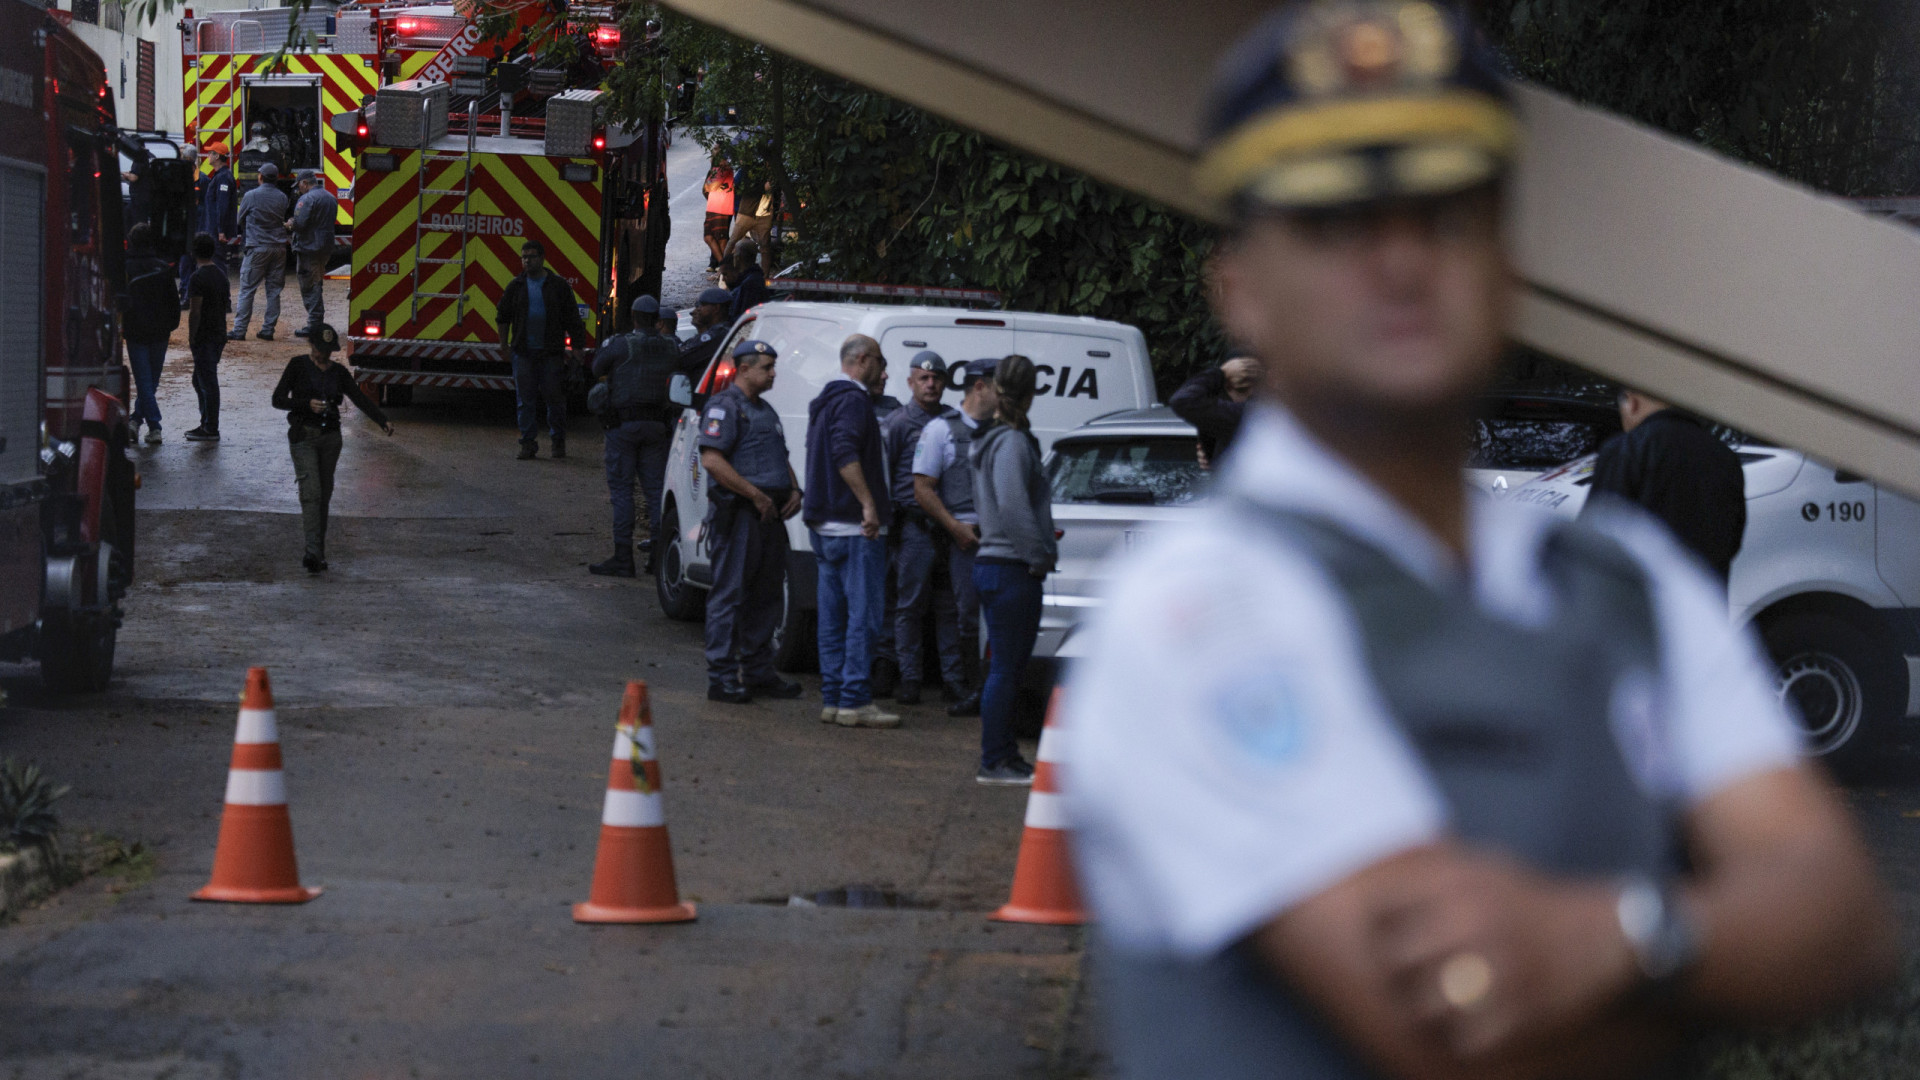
852 599
1011 597
145 359
537 383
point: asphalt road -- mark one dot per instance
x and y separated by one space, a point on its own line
447 694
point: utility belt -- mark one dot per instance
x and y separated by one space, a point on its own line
723 506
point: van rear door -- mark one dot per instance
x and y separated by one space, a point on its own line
1081 376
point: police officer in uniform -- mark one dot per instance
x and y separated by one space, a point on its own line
744 450
1372 777
917 547
943 492
711 322
639 369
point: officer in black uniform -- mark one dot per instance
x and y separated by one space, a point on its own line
639 369
710 319
917 548
754 491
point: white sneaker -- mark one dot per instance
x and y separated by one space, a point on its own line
830 714
153 435
868 715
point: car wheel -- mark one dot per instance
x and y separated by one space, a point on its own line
678 599
1837 680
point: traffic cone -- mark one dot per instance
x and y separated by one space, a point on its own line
633 871
1043 887
253 863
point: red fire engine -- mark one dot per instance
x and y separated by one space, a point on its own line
66 483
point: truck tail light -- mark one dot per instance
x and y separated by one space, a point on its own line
606 38
407 24
375 325
599 141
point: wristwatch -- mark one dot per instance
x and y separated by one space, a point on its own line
1663 935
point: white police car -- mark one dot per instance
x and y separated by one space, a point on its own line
1086 367
1829 575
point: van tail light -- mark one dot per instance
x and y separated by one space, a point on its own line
1059 534
722 376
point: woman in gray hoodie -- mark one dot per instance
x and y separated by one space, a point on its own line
1017 552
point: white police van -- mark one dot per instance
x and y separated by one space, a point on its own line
1829 575
1086 366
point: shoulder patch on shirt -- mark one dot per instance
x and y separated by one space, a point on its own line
713 426
1263 715
716 413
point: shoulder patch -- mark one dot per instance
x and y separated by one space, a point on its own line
713 426
716 413
1264 716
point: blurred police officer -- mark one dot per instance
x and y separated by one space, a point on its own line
1371 778
639 369
744 450
943 491
711 322
1671 464
917 545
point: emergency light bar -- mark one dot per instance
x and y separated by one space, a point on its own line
987 297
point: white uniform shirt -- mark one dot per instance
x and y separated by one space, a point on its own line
1227 753
935 452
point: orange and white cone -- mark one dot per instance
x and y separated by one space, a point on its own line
253 863
1043 886
633 870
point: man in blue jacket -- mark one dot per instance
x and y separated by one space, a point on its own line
848 508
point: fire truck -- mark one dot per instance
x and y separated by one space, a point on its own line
230 81
66 480
458 175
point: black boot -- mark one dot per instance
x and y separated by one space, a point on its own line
728 691
527 450
559 449
621 565
968 707
884 677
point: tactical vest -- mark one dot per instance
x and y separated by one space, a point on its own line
760 455
1521 729
645 378
956 480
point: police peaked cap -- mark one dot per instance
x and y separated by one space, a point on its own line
1333 102
751 347
646 305
927 360
713 294
978 369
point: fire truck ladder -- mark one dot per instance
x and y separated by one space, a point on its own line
420 230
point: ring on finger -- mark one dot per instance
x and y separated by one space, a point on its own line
1466 980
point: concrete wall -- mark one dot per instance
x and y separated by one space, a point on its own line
119 52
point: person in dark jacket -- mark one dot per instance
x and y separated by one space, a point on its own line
1213 402
218 202
152 314
537 316
1017 551
310 392
1674 467
209 296
749 282
847 508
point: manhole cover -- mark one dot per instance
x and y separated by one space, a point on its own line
856 896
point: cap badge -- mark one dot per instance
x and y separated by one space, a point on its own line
1362 46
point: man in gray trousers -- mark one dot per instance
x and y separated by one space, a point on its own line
263 226
314 216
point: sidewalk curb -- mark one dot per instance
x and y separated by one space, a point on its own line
24 878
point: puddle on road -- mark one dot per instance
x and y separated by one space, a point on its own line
853 896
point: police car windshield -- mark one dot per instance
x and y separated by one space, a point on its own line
1141 469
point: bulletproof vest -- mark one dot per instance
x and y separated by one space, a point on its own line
956 481
760 457
645 377
1526 732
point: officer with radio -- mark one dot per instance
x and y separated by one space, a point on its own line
632 403
744 450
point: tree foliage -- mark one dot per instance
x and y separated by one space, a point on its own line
1825 92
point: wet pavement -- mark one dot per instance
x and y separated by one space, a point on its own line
447 692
